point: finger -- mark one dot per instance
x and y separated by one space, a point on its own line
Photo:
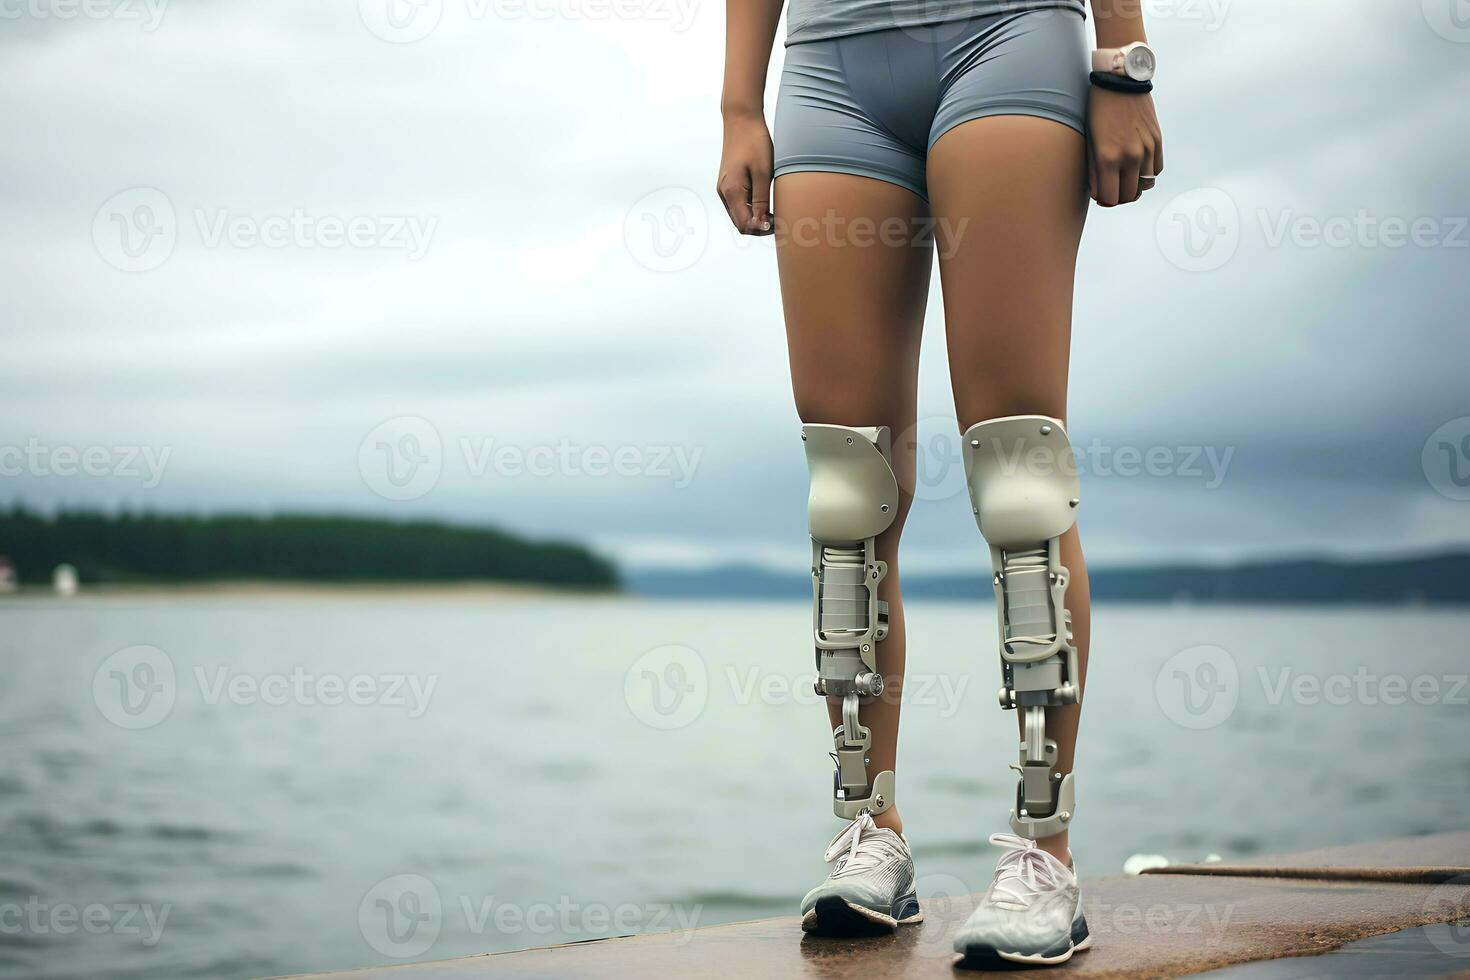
1128 184
760 201
1146 166
1136 157
733 195
1092 175
724 192
1158 157
748 195
1107 182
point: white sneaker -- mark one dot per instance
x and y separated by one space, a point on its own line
1031 913
870 888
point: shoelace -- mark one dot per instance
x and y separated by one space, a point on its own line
1024 870
850 838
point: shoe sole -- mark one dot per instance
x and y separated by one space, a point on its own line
835 916
983 956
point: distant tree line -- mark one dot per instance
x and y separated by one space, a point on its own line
1430 578
162 548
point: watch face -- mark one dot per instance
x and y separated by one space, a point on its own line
1140 63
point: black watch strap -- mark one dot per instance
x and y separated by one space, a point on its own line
1120 83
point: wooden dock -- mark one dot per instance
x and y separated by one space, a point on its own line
1164 923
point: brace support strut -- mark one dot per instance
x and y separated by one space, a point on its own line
854 498
1023 485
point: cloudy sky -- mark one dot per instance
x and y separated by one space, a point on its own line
460 258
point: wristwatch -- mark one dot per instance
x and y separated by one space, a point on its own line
1136 61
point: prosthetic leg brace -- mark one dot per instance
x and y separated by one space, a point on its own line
854 498
1024 492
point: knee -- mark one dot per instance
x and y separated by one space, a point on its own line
1000 400
842 407
902 444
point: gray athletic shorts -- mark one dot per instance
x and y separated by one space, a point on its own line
874 104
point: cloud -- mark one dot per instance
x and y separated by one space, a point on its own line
540 312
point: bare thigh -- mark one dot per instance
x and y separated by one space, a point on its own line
854 305
1009 198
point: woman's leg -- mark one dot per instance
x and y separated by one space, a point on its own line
1015 188
854 303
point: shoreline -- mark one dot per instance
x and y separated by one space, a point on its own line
303 589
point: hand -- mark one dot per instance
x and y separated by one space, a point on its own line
745 174
1124 145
